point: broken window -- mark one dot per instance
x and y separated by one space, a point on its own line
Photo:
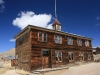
81 56
58 39
69 40
58 56
42 37
71 56
79 42
87 43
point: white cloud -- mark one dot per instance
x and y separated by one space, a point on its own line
2 7
1 2
98 24
29 17
12 40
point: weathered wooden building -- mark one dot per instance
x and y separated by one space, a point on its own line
38 47
96 50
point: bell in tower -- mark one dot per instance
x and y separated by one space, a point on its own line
56 25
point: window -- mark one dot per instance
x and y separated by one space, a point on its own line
88 56
79 42
87 43
58 27
69 40
58 39
42 37
81 56
71 56
58 56
20 40
45 53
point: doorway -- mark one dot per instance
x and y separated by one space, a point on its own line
46 58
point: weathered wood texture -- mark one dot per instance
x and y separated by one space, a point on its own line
30 54
13 62
37 46
23 51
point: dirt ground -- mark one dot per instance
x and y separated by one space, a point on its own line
86 69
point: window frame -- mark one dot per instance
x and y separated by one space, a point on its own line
69 40
72 59
57 39
88 55
87 43
42 37
81 54
79 42
58 56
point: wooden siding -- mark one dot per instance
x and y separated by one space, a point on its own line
23 51
30 55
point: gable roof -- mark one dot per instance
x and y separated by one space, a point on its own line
50 30
56 22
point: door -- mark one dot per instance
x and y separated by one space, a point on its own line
46 58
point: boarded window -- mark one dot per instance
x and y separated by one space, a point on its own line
42 37
69 40
58 56
71 56
58 39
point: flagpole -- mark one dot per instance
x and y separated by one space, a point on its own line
55 10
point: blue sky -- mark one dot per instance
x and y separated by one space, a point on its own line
80 17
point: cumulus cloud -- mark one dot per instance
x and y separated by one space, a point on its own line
12 40
2 7
29 17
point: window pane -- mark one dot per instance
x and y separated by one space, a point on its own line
70 41
60 56
21 40
45 53
57 39
45 37
40 36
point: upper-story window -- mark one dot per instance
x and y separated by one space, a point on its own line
42 37
69 40
58 39
87 43
79 42
21 40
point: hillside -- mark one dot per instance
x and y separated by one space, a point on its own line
10 52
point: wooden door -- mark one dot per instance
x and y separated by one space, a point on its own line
45 61
46 58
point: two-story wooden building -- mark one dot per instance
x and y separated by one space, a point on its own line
38 47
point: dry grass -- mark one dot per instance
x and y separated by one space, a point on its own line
5 67
22 72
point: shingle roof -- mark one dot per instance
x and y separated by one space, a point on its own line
56 22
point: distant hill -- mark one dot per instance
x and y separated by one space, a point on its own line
10 52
